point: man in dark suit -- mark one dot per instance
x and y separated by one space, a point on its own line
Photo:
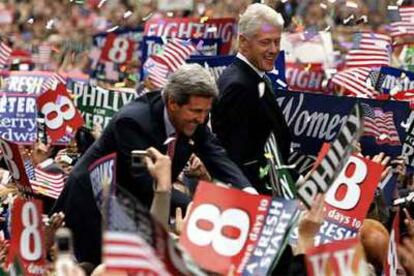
246 111
174 123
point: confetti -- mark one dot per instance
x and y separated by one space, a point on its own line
281 83
392 8
332 1
351 4
203 19
212 30
348 19
323 6
399 2
112 29
145 18
49 24
268 155
127 14
30 21
383 136
101 3
170 14
327 29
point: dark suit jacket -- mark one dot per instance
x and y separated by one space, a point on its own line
136 126
243 121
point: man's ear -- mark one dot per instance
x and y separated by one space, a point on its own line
243 43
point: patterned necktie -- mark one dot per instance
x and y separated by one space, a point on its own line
268 82
171 146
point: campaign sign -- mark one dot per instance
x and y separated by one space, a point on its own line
61 115
342 258
97 105
393 80
102 173
408 147
11 155
27 236
117 49
306 77
333 158
241 230
314 119
392 263
224 28
132 34
28 82
154 44
18 117
215 64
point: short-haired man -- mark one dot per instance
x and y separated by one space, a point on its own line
244 115
149 121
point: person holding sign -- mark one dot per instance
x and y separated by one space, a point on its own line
173 123
246 112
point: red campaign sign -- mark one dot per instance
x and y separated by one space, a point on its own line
337 258
223 222
61 115
117 49
10 152
392 263
224 28
348 199
306 77
27 236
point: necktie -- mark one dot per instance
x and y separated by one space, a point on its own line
171 146
268 82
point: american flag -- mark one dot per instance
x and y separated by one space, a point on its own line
356 82
53 81
5 52
43 182
380 124
43 54
158 66
406 25
127 251
369 50
176 51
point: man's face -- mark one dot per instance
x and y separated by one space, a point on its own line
187 117
262 49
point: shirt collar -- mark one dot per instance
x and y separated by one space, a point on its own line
169 128
243 58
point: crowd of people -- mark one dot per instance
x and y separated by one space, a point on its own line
194 128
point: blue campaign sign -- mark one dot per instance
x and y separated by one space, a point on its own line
278 74
27 82
393 78
215 64
273 238
314 119
154 44
18 118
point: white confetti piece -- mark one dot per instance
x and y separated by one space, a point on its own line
145 18
351 4
30 21
170 14
323 6
127 14
112 29
392 8
281 83
101 3
349 18
399 2
49 24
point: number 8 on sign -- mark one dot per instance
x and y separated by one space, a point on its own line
8 157
30 241
226 230
119 51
